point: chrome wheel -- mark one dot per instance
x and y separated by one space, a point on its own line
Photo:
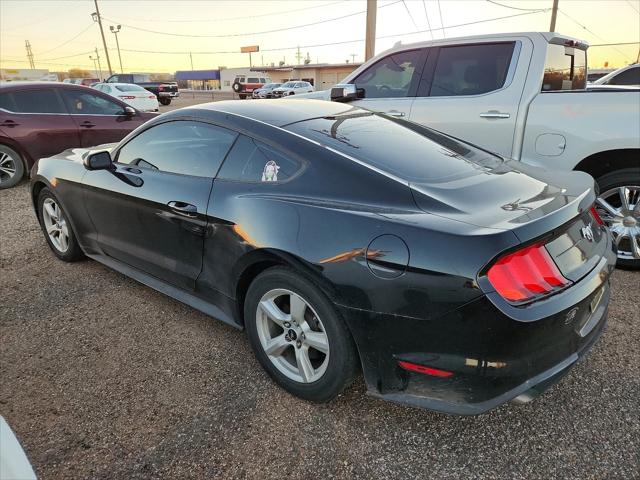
7 167
619 208
292 335
55 225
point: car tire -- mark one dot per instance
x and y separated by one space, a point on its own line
236 87
11 167
625 224
296 361
164 101
56 227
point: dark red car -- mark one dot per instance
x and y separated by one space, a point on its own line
40 119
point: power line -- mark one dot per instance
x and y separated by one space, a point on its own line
68 41
444 34
243 17
633 6
591 32
515 8
612 44
424 4
247 33
409 13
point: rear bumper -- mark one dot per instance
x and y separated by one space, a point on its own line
494 357
169 94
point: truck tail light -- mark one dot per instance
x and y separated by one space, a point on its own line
526 274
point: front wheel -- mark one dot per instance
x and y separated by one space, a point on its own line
164 101
56 228
298 336
11 167
619 207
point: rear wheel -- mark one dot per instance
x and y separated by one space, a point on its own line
11 167
56 228
619 207
164 101
297 335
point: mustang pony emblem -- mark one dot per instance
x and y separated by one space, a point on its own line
587 233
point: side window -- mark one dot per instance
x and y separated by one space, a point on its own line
6 102
114 79
628 77
252 80
37 101
564 69
184 147
390 77
253 161
471 69
139 79
86 103
263 80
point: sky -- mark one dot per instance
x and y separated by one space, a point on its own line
157 35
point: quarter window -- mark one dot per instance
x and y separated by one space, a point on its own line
36 101
253 161
471 69
390 77
184 147
85 103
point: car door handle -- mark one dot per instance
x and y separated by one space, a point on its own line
495 114
87 124
182 208
9 123
394 113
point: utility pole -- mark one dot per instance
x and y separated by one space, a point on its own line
29 54
554 14
298 55
98 60
370 37
115 31
353 57
95 66
97 18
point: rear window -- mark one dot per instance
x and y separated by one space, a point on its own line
129 88
406 150
140 78
565 69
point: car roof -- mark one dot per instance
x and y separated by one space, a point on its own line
26 85
278 112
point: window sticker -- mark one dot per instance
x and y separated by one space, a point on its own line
270 172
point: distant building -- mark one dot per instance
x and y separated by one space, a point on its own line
16 74
198 79
320 75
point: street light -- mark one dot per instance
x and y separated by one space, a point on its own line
115 31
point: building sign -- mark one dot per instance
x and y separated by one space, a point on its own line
250 49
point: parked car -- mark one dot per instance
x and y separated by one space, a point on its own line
266 91
458 281
292 88
87 82
131 94
14 463
244 86
629 75
522 95
164 91
39 119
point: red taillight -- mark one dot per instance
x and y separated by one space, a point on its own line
160 88
596 216
127 97
434 372
526 274
151 96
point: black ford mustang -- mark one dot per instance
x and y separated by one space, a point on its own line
342 239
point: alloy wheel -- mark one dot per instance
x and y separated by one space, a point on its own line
292 335
7 167
619 208
55 224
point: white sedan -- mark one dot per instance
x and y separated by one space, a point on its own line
134 95
292 88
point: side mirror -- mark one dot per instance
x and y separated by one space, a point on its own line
98 161
345 92
129 111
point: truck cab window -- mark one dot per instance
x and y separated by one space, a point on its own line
565 69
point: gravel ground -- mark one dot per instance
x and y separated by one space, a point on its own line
102 377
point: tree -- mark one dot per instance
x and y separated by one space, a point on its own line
78 73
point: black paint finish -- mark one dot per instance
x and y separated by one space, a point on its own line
405 263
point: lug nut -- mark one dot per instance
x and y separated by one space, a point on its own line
298 344
287 324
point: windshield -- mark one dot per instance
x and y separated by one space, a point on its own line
271 86
407 150
288 85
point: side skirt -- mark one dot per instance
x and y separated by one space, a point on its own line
166 288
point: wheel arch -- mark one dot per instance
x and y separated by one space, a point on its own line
24 156
607 161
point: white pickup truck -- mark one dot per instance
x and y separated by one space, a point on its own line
524 96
